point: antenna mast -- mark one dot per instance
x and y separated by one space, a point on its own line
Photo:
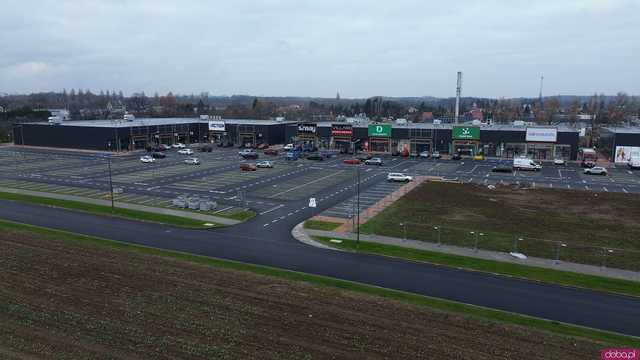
458 90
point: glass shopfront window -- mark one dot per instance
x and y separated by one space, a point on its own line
540 151
563 152
512 150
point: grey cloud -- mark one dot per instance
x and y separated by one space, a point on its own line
286 47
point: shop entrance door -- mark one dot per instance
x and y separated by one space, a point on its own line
247 138
379 145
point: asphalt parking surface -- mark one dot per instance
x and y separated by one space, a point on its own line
288 185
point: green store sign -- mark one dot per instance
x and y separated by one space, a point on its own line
382 130
466 133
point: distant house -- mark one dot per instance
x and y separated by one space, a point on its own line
427 116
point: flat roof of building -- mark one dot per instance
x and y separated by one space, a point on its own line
120 123
623 130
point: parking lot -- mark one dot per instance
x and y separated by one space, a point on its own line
288 185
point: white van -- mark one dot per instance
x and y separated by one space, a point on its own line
634 163
526 164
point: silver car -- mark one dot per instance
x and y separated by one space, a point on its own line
596 170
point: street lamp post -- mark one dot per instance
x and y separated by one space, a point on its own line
515 243
477 236
559 245
358 208
110 183
604 256
437 228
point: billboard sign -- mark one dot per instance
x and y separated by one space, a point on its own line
381 130
342 130
216 125
307 129
542 134
626 153
465 133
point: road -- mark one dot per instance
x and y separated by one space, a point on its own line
250 243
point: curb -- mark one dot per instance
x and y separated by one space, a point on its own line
301 235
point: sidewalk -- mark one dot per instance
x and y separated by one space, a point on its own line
123 205
484 254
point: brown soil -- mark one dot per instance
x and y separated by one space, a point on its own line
60 299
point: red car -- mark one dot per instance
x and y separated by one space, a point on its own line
248 167
263 146
352 161
270 152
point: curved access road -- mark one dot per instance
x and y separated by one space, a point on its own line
253 242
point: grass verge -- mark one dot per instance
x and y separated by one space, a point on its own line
566 278
321 225
106 210
606 338
242 215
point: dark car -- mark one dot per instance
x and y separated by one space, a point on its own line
502 168
315 156
270 152
262 146
220 144
248 167
229 144
395 153
206 148
158 155
456 156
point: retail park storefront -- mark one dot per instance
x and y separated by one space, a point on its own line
308 135
341 136
379 138
540 143
465 140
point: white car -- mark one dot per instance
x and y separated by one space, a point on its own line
596 170
288 147
436 155
425 155
147 159
399 177
178 146
192 161
264 164
185 152
559 162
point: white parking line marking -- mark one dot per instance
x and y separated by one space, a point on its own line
272 209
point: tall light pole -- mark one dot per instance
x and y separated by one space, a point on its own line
110 183
358 208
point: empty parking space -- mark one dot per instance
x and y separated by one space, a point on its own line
368 198
157 170
302 186
236 179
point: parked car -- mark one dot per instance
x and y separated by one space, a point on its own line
456 156
162 147
596 170
265 164
559 162
248 154
192 161
478 157
436 155
352 161
185 152
414 154
158 155
364 156
178 146
228 145
248 167
524 163
288 147
207 148
220 144
395 153
398 177
262 146
270 152
147 159
315 156
424 155
634 163
373 161
292 155
502 168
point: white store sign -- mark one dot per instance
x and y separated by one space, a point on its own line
216 125
539 134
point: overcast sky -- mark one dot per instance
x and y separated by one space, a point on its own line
315 48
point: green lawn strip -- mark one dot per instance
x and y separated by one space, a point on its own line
106 210
566 278
321 225
481 313
242 215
